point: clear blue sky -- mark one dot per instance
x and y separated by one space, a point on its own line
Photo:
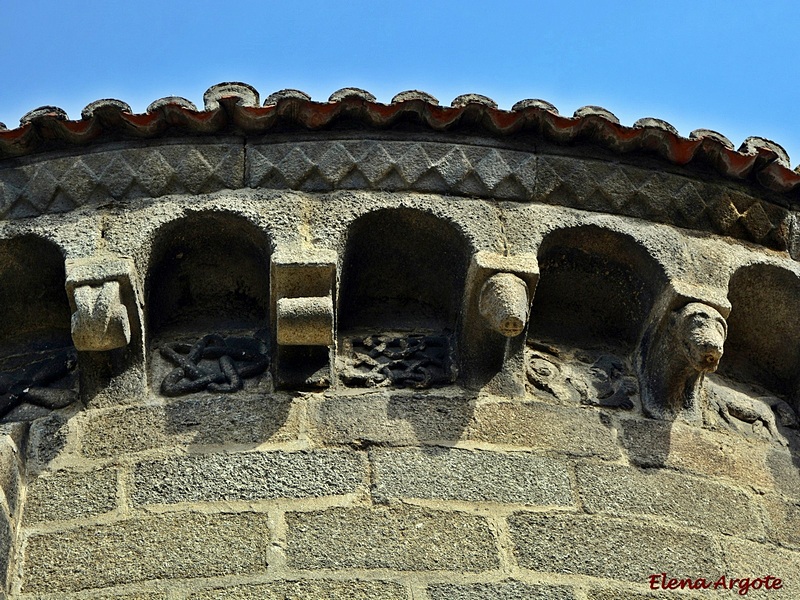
731 66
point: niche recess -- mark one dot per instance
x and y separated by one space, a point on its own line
208 285
401 294
595 294
37 358
763 329
597 287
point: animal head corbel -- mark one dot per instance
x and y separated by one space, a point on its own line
702 331
688 344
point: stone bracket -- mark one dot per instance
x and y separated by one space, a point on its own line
95 289
302 290
499 293
504 303
305 321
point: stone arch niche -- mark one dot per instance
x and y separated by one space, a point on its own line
38 361
760 367
402 286
594 298
208 303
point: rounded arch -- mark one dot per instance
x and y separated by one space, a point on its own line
208 270
596 285
36 349
402 268
32 294
763 344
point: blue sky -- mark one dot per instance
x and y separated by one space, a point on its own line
729 66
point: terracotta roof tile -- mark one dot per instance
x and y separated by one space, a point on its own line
414 95
171 101
275 97
105 105
233 108
535 103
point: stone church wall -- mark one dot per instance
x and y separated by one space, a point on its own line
425 358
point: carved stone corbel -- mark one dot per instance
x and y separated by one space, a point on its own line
302 292
504 303
675 357
497 303
306 321
100 317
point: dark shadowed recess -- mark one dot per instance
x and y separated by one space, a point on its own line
209 272
763 329
597 287
404 270
36 313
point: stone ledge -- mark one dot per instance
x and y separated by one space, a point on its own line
619 491
187 422
454 474
577 544
538 426
175 546
402 539
70 494
714 454
248 476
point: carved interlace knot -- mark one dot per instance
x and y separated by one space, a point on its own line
32 381
418 361
214 363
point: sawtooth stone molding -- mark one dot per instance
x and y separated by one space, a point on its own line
57 185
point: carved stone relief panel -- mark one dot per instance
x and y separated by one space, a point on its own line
38 362
215 363
400 299
594 376
208 304
412 360
756 390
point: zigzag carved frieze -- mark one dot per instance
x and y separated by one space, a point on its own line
62 184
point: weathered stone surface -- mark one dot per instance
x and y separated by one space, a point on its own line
101 595
578 432
506 590
247 476
784 520
395 419
751 560
310 589
70 494
305 321
6 546
408 539
784 467
187 422
393 165
608 594
504 303
173 546
452 474
100 321
47 438
62 184
661 197
610 548
687 344
679 446
706 505
9 473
